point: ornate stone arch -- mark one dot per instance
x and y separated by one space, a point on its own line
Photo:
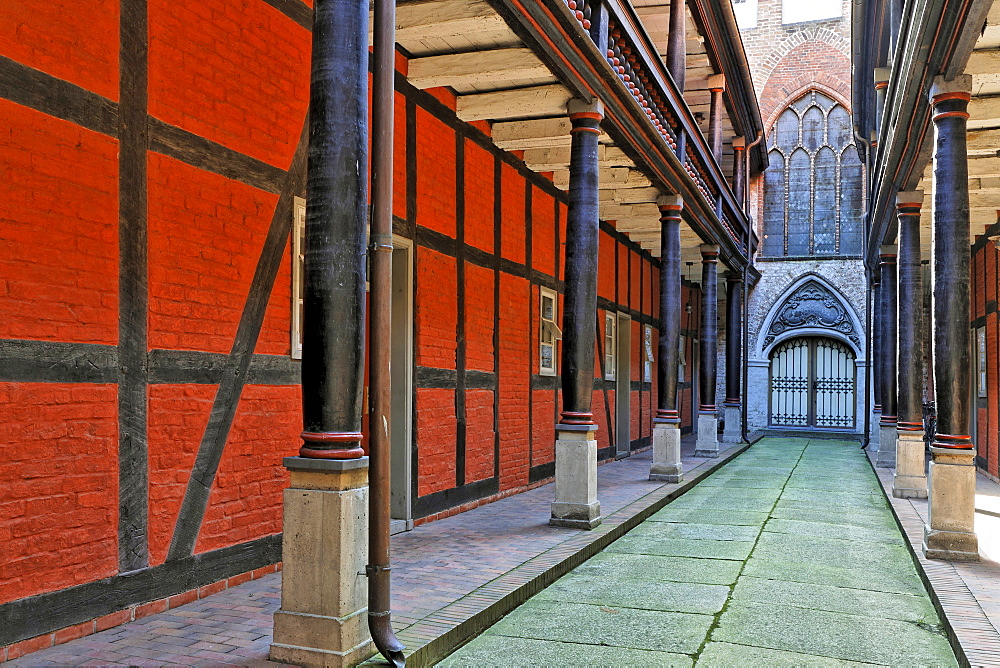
814 33
811 307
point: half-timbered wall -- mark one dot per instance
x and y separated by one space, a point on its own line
985 324
150 156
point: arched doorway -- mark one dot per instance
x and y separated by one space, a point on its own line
812 384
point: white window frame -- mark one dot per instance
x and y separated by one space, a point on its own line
298 273
610 345
799 11
746 14
681 358
548 332
647 364
981 362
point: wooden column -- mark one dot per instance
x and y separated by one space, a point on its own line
881 88
716 86
876 347
576 503
909 480
887 423
950 532
733 432
739 166
667 464
708 442
333 340
676 58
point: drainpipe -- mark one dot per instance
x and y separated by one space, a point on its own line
380 254
746 287
866 439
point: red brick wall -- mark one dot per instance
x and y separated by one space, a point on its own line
984 314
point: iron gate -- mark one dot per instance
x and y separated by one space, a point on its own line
812 384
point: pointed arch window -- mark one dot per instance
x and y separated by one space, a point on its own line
812 187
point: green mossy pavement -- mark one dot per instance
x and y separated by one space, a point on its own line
787 556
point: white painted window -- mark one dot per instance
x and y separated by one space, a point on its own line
981 359
681 358
746 13
610 345
797 11
548 332
647 363
298 273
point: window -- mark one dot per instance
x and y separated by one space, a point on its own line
797 11
812 186
609 345
981 355
647 364
548 333
682 358
298 270
746 13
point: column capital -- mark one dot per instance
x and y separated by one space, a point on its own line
717 82
739 143
670 203
910 199
585 108
709 251
734 276
887 253
960 87
882 77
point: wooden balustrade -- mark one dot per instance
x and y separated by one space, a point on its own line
631 55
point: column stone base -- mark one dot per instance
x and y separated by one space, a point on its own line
667 466
950 532
909 481
886 446
873 431
323 620
576 505
707 444
732 431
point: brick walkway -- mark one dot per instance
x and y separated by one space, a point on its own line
446 575
969 593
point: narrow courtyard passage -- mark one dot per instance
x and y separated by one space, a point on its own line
788 555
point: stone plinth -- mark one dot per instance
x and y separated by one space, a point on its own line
323 620
667 466
909 480
576 505
731 431
707 444
886 457
950 533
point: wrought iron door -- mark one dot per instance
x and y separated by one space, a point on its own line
812 384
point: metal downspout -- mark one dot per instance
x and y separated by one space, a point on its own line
746 288
380 254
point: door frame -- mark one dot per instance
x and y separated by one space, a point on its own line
811 360
401 361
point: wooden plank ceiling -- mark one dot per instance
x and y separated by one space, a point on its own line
466 46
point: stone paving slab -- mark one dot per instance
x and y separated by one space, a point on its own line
849 596
500 651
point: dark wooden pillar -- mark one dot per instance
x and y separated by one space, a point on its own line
709 334
887 271
950 532
716 86
333 339
670 308
876 347
881 89
739 167
734 321
582 233
676 58
910 297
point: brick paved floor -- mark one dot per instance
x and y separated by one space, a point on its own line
969 592
787 556
434 567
